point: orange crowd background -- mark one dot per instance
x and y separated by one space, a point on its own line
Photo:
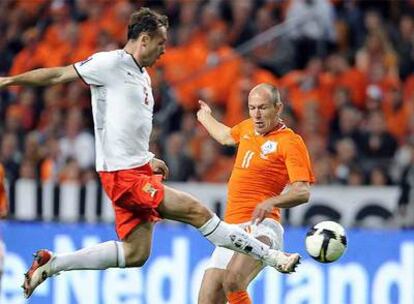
345 75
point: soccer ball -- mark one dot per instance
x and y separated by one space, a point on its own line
326 241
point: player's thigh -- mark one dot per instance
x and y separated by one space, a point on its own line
183 207
241 270
137 244
211 290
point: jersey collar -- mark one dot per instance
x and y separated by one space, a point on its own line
136 62
279 127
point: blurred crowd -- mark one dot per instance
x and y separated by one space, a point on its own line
345 70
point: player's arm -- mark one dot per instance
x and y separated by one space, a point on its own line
217 130
41 77
298 193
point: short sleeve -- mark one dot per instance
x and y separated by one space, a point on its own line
235 132
297 160
96 69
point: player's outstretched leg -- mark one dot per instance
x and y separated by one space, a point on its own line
233 237
98 257
133 251
183 207
46 264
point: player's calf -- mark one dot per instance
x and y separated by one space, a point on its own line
182 207
135 257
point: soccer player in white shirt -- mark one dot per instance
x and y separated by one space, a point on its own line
122 107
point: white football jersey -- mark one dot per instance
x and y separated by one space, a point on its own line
122 107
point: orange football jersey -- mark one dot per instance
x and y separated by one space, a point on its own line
264 165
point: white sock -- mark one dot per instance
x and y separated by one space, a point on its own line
233 237
100 256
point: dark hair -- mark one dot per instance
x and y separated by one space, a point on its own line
147 21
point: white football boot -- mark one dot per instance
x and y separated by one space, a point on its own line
38 272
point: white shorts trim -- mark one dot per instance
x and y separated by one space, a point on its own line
269 227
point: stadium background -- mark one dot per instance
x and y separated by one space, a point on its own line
346 73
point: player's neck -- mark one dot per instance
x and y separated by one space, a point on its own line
277 127
132 48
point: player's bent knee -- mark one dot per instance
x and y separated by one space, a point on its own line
211 296
208 298
233 282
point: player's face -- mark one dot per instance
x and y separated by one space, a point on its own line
156 46
264 113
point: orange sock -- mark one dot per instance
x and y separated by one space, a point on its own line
239 297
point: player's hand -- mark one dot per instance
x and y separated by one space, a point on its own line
160 167
261 211
203 111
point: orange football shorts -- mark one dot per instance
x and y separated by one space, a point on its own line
135 195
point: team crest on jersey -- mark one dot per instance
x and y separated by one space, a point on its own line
148 188
268 147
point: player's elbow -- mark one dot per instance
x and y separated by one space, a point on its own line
226 141
225 138
62 74
301 192
304 196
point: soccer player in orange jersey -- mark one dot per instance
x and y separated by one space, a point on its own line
3 214
270 157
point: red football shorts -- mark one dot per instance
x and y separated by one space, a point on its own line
135 195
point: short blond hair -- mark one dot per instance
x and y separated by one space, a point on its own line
273 91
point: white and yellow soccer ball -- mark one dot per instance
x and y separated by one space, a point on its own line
326 241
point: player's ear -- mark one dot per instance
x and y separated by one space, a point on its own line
145 38
279 107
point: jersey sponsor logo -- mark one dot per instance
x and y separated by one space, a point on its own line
85 61
268 147
130 79
148 188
